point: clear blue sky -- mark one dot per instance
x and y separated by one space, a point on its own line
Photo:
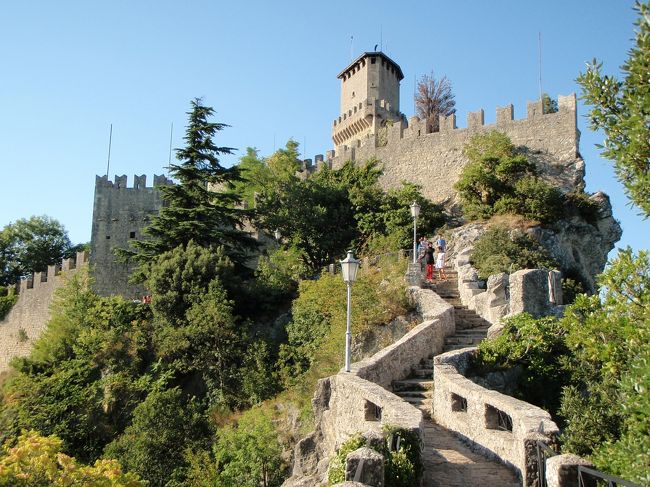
71 68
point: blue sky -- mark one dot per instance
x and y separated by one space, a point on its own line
71 68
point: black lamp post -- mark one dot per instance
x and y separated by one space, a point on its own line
349 268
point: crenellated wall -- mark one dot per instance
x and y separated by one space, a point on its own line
31 312
120 213
435 160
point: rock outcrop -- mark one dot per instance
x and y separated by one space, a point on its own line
578 246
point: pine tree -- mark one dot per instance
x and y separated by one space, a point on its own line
199 207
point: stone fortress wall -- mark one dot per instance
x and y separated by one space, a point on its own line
120 214
434 160
29 316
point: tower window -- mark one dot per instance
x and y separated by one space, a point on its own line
353 94
108 237
372 60
132 235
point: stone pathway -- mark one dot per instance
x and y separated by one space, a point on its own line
448 461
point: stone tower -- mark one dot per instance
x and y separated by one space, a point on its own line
369 97
120 214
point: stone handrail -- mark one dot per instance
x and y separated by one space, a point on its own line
504 427
359 402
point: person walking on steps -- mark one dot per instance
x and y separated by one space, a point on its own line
441 242
429 260
440 263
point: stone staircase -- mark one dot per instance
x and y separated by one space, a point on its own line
448 461
471 329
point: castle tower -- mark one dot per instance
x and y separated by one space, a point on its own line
120 214
369 97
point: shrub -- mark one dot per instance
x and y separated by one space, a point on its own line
36 461
402 457
500 250
7 300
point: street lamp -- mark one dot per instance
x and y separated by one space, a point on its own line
277 234
415 211
349 268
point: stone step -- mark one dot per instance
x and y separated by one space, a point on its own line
450 348
460 340
422 394
481 331
427 364
423 372
412 384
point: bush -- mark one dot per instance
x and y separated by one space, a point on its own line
7 300
500 250
591 368
36 461
402 458
499 179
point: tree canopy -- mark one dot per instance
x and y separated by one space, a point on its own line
621 109
434 97
200 207
30 245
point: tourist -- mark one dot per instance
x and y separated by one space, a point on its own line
441 242
440 263
429 260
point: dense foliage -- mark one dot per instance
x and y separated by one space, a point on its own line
590 368
192 209
402 457
333 210
8 298
621 108
499 179
502 250
30 245
36 461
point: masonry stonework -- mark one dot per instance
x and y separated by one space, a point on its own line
28 318
120 214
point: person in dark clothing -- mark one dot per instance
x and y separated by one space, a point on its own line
429 260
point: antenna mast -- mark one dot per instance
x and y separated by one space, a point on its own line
171 132
351 46
381 38
539 49
110 140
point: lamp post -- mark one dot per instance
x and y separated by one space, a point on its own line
349 268
415 211
277 234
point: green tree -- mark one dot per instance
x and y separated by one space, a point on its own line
434 97
164 426
36 461
499 179
502 250
30 245
201 206
621 108
549 105
196 333
250 453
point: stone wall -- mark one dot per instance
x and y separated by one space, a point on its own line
435 160
120 213
29 316
357 401
502 426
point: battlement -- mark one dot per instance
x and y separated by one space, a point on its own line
36 279
475 122
139 182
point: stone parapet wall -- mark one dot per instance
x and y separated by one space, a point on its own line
358 401
428 338
435 160
28 318
484 416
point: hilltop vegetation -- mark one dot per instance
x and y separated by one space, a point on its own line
201 386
